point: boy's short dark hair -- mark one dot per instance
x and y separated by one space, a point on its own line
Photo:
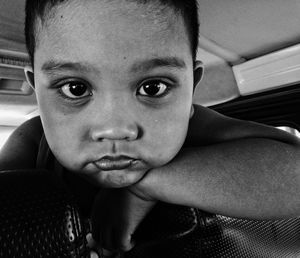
37 8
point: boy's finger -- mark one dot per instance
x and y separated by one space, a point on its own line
109 254
94 255
125 244
104 253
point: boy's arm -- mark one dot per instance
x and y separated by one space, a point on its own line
20 150
244 170
240 169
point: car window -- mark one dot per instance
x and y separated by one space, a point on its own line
290 130
5 132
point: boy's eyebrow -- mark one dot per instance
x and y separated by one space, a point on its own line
51 66
146 65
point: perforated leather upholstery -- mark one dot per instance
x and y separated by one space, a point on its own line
39 217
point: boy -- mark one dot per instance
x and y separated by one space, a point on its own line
114 83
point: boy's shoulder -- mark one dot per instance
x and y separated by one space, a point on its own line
33 126
31 129
21 148
209 127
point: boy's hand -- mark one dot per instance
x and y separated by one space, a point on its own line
116 215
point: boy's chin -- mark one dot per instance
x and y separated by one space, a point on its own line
116 178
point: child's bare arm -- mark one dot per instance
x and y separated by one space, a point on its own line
245 170
20 150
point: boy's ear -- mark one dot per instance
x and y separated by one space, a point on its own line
29 75
198 72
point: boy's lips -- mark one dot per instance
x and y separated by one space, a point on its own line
114 162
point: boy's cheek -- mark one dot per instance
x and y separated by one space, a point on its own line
63 142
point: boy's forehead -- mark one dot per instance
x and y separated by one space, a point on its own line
154 10
153 13
117 22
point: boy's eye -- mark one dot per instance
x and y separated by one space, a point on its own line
153 89
75 90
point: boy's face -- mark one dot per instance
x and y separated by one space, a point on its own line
114 83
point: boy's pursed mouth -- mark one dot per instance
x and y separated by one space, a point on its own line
114 163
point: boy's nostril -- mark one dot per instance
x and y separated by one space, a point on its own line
129 133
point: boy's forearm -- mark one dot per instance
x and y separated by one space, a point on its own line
250 178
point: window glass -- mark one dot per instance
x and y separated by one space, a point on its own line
290 130
5 132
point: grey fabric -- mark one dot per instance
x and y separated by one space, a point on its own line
12 25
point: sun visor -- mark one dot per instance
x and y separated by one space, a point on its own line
278 69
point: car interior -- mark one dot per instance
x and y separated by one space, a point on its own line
251 54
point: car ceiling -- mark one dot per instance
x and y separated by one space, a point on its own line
231 32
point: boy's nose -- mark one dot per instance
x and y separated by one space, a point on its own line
113 118
115 131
